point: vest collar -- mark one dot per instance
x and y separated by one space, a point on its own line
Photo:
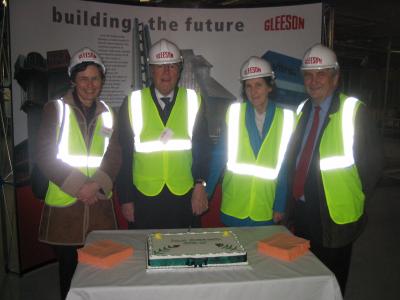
335 103
155 93
68 98
159 95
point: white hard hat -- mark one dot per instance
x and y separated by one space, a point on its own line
85 55
319 57
164 52
256 67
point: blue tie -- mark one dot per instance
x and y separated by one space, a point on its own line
167 107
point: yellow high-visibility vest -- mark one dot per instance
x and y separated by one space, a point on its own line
340 178
73 151
341 181
248 188
163 153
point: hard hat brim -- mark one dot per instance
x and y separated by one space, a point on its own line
334 66
257 76
70 69
175 61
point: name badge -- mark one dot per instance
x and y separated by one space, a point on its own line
166 135
106 132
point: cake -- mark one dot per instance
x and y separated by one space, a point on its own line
194 249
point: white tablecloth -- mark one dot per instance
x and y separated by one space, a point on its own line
264 278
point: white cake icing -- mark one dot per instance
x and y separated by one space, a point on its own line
194 249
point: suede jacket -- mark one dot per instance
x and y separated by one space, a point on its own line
70 225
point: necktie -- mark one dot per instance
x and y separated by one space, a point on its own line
167 107
304 161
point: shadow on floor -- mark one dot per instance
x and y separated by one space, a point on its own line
375 266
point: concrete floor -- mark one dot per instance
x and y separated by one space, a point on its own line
40 284
375 265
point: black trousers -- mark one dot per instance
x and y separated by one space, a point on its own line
164 211
337 260
308 225
67 257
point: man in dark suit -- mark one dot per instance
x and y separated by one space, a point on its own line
333 163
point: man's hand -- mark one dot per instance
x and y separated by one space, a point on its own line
128 210
88 193
199 200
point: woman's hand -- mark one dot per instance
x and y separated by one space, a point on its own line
88 193
277 217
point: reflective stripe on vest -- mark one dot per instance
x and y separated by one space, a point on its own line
63 147
233 146
347 128
347 159
157 145
300 107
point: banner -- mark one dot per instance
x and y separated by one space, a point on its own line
214 44
225 38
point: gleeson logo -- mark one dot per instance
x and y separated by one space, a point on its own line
87 55
165 54
284 22
313 60
251 70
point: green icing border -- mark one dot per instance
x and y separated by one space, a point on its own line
197 262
